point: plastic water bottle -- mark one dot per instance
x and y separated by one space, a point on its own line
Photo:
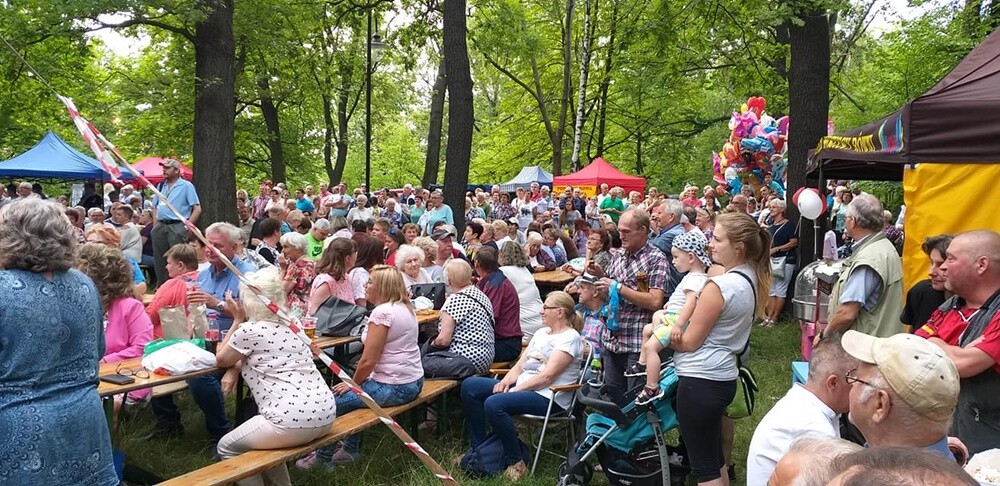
596 373
212 335
192 287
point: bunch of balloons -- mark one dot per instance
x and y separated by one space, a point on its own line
757 145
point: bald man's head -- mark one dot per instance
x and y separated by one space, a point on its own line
972 263
984 243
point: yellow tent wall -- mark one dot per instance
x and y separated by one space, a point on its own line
945 198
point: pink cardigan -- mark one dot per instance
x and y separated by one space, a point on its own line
129 329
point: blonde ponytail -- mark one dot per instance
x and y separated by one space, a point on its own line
761 265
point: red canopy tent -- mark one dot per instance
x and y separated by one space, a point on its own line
150 168
598 172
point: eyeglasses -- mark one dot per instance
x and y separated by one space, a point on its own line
142 373
851 377
550 307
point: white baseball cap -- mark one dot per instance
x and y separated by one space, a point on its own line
917 370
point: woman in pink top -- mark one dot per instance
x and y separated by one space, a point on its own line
389 369
332 274
127 328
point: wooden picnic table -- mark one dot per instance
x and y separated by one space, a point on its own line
554 278
428 317
326 342
105 389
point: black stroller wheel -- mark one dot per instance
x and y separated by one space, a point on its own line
580 476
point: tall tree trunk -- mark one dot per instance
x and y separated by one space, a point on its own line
780 63
460 108
270 112
602 115
328 139
342 121
638 152
581 95
567 87
809 103
215 111
433 162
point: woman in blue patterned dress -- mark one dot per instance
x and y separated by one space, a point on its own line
54 430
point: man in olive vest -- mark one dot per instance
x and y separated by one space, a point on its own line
967 328
868 294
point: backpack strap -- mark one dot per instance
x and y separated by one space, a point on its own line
753 290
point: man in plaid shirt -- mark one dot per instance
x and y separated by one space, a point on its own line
620 349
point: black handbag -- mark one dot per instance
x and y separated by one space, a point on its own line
433 291
336 317
443 364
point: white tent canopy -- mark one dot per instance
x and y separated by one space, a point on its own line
527 175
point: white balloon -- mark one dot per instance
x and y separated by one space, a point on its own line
731 174
810 205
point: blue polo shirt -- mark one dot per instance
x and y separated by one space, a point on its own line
181 195
304 205
217 282
442 213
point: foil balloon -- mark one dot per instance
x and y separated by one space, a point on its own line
757 105
731 175
783 125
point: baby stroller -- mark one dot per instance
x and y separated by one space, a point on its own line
628 442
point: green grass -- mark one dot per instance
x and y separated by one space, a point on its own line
385 461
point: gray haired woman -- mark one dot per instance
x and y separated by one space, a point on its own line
297 272
410 262
784 240
49 367
514 265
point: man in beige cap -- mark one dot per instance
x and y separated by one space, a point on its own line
904 393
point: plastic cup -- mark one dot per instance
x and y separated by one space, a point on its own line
309 326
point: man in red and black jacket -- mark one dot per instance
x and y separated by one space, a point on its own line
506 305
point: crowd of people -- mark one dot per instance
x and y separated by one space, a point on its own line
657 277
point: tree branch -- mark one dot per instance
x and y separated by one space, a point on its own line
849 98
150 22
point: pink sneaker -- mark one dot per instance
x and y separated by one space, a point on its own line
309 461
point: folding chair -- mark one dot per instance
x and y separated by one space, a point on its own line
565 418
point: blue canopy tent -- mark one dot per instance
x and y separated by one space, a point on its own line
55 159
524 179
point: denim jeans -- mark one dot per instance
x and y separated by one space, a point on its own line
207 393
384 394
481 406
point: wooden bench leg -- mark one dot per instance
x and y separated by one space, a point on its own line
442 413
414 421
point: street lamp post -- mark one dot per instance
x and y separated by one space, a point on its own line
373 42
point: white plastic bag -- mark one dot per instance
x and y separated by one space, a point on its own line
985 467
179 358
422 303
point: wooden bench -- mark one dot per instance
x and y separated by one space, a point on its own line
257 461
169 389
